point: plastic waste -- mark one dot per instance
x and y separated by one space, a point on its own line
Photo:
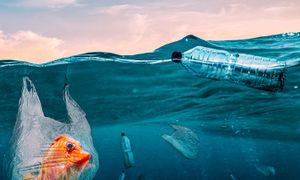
265 170
122 176
33 134
143 177
127 151
184 141
232 177
253 71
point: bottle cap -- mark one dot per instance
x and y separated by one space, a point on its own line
176 57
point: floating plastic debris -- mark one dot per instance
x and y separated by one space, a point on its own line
253 71
122 176
142 177
232 177
127 151
184 140
265 170
34 133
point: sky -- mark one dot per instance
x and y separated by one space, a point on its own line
43 30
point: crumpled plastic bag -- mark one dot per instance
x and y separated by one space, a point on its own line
184 141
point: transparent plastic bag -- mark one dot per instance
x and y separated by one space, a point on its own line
33 133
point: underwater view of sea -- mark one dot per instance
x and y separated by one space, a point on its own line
244 133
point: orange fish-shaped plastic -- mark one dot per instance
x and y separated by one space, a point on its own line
63 160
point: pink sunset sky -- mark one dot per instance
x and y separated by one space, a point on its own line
44 30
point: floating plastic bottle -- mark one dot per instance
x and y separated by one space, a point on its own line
127 151
253 71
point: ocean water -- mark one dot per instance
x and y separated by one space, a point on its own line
244 133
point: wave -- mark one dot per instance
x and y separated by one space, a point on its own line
140 94
284 47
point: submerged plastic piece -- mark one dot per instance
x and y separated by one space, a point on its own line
253 71
142 177
184 140
122 176
127 152
232 177
33 134
265 170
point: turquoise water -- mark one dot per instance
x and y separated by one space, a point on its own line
238 127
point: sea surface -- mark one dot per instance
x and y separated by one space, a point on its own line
244 133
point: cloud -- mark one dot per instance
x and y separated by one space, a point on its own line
144 26
117 9
27 45
228 21
129 29
55 4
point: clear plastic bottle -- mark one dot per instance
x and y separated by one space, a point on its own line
254 71
127 151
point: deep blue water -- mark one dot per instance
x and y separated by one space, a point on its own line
238 126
